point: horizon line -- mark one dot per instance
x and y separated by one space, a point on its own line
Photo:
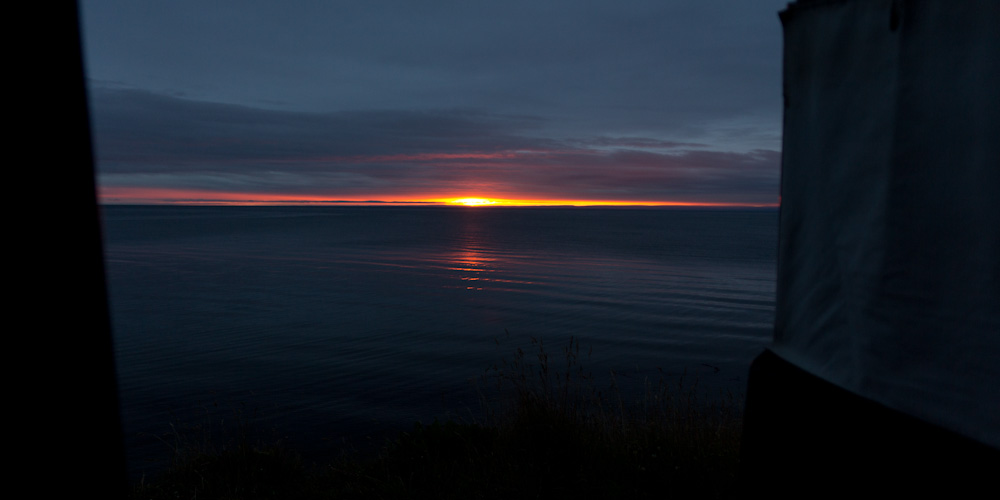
453 202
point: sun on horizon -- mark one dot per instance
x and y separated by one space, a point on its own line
472 202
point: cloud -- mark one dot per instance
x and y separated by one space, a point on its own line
624 67
149 140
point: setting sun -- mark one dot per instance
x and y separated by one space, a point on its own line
472 202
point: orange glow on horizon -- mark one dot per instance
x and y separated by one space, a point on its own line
472 202
479 202
167 196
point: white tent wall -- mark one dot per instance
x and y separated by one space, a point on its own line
887 329
889 256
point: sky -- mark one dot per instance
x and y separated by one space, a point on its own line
557 102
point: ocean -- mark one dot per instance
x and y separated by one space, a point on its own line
335 325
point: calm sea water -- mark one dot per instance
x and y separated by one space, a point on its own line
340 322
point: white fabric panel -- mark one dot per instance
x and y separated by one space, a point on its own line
889 256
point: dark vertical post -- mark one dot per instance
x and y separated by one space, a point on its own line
64 395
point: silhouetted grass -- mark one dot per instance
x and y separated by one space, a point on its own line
549 430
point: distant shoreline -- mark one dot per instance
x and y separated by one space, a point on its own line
444 205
